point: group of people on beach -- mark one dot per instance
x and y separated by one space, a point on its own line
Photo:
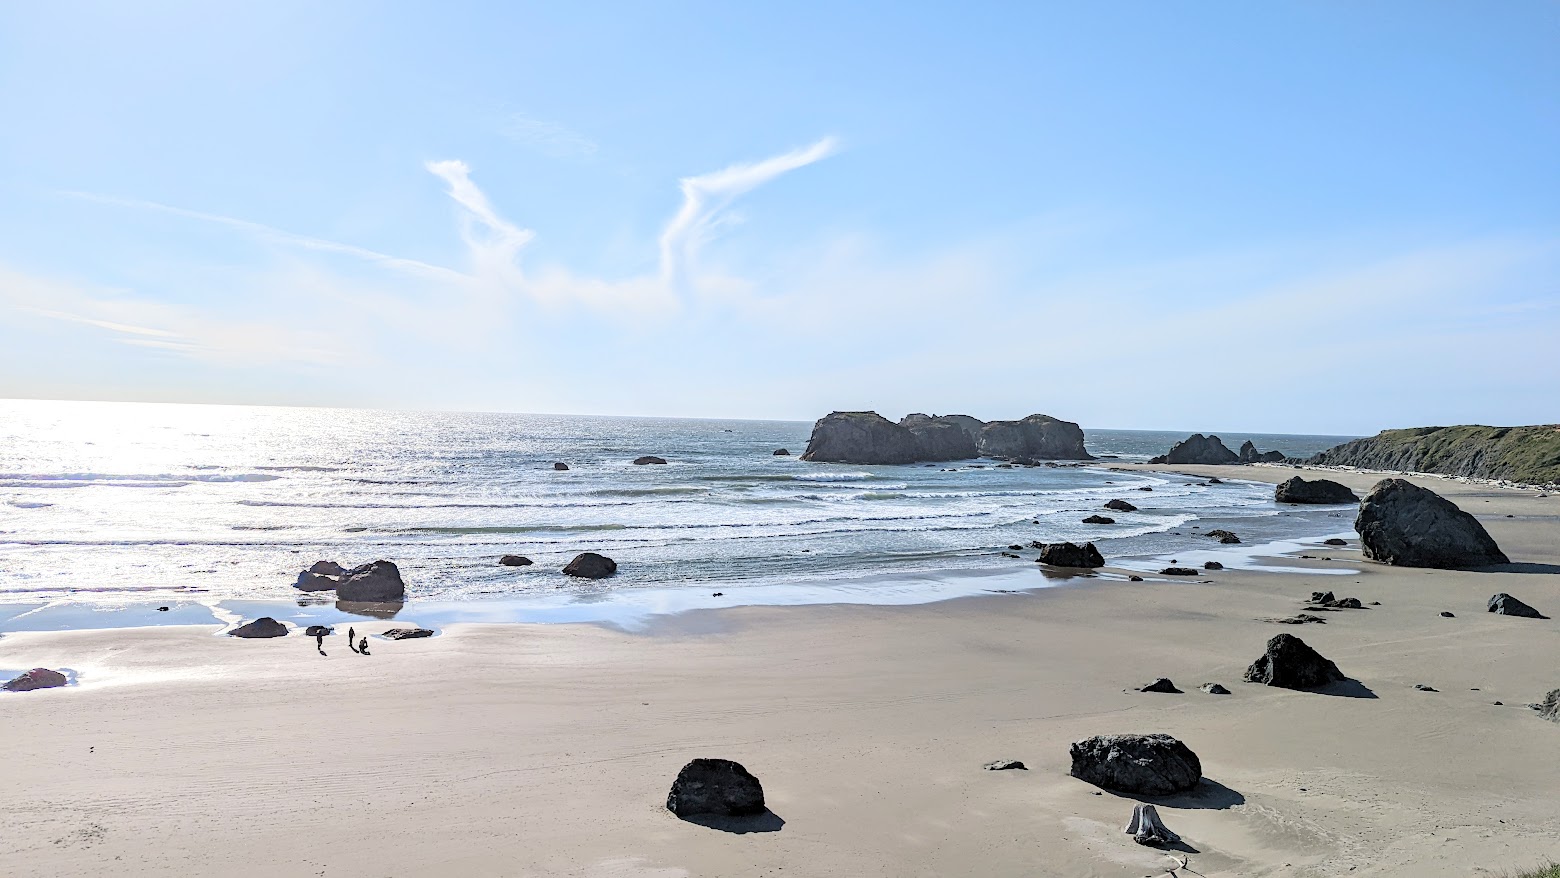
362 643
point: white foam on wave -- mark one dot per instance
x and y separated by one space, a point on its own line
832 477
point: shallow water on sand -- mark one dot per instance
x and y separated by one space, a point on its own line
112 504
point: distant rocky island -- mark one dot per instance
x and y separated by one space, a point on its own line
870 438
1529 455
1201 449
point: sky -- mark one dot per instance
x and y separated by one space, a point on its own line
1308 217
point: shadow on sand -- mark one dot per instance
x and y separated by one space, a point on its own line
1345 689
1521 567
768 821
1208 795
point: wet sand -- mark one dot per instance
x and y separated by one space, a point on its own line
532 750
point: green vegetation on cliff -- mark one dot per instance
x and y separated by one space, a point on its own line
1530 455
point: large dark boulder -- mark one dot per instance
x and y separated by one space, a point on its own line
781 452
1506 605
1070 555
1144 765
589 565
560 467
37 678
1120 506
1099 519
327 568
308 581
1291 664
1198 448
1037 437
264 626
860 437
515 561
715 786
379 581
1318 491
1249 454
649 459
1228 538
1402 524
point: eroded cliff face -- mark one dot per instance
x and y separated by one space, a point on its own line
1530 455
1037 437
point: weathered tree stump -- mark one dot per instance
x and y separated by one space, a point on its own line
1146 828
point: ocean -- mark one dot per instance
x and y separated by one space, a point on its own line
119 504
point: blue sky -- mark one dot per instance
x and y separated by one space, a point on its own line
1305 217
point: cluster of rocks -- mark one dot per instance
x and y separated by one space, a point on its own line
375 582
870 438
1200 449
1326 599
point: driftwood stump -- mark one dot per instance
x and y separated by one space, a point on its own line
1146 828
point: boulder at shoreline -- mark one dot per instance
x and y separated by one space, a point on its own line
1071 555
589 565
515 561
1144 765
37 678
265 626
1404 525
375 582
1316 491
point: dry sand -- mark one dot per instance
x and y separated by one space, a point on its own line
525 750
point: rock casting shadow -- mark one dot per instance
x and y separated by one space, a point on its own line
1208 795
1345 689
768 821
1521 567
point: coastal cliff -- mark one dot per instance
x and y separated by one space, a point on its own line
1530 455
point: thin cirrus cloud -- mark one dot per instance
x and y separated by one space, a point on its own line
549 138
494 274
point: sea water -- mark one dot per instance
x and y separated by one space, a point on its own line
114 504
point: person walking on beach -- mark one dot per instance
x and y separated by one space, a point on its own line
351 636
319 641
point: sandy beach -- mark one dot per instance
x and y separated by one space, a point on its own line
538 750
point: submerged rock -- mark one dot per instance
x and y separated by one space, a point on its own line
1404 525
561 467
515 561
265 626
1120 506
589 565
1291 664
376 582
1071 555
715 786
1317 491
1223 536
649 459
1099 519
781 452
37 678
1506 605
1146 765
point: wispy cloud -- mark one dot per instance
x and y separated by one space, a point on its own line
549 138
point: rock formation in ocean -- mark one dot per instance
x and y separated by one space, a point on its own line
717 787
1506 605
1317 491
1071 555
1200 449
515 561
1120 506
1099 519
1037 437
589 565
1249 454
1530 455
561 467
1144 765
375 582
869 438
860 437
649 459
1402 524
781 452
1226 537
37 678
265 626
1291 664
